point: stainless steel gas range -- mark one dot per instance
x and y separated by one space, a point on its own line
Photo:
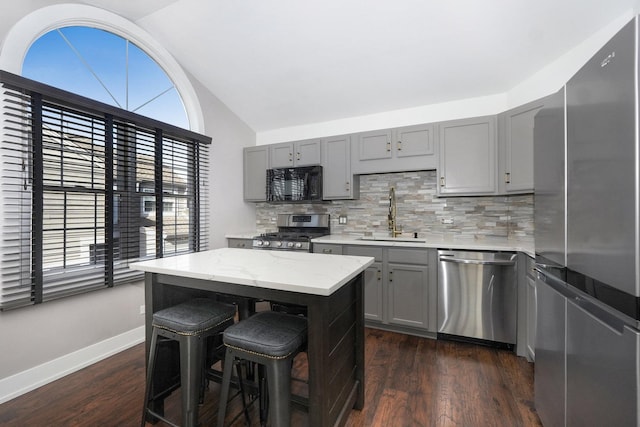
295 232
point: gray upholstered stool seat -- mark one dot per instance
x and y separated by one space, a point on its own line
190 323
271 339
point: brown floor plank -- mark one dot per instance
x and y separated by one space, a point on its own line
409 381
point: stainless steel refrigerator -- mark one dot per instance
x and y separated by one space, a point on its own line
588 314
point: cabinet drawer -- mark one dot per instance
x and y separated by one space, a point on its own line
324 248
240 243
409 256
365 251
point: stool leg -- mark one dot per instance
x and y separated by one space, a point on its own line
263 395
224 388
190 377
150 369
279 384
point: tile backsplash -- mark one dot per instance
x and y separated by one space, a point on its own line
418 210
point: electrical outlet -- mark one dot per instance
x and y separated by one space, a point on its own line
342 219
447 220
142 309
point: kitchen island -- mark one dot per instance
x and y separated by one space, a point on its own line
331 287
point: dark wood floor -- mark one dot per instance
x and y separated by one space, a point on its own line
410 381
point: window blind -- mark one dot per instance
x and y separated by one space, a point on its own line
88 189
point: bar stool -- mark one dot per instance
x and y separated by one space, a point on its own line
272 340
190 324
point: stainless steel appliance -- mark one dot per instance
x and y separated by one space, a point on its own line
477 295
295 232
550 242
588 318
301 184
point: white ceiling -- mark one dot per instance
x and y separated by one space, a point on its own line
281 63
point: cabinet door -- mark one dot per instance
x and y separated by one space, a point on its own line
467 157
373 292
307 153
517 148
412 141
374 145
336 162
407 287
256 163
281 155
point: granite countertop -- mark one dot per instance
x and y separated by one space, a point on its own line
303 272
436 241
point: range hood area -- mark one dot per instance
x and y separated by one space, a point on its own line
587 235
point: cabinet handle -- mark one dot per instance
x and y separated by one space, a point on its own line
291 157
298 156
379 274
399 145
388 145
507 177
347 186
241 245
442 181
327 251
391 276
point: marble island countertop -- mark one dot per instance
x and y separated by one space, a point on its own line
302 272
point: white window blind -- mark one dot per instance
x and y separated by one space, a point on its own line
88 189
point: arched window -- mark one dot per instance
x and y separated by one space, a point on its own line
106 67
91 187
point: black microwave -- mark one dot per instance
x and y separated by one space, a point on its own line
302 184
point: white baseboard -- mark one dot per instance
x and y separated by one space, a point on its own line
25 381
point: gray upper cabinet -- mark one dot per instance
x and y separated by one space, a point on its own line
256 163
467 156
338 180
394 150
516 148
298 153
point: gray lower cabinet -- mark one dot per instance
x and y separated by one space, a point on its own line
338 179
399 288
467 156
327 248
373 293
239 243
256 163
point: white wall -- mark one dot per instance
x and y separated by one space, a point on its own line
229 212
43 342
544 82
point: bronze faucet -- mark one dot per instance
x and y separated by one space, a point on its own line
393 226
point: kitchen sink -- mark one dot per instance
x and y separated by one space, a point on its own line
393 239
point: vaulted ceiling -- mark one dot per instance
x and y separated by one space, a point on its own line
281 63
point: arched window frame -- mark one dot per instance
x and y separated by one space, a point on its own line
26 31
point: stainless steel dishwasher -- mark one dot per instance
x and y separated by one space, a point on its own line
477 296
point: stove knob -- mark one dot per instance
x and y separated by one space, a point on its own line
259 242
278 244
266 243
289 244
298 245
